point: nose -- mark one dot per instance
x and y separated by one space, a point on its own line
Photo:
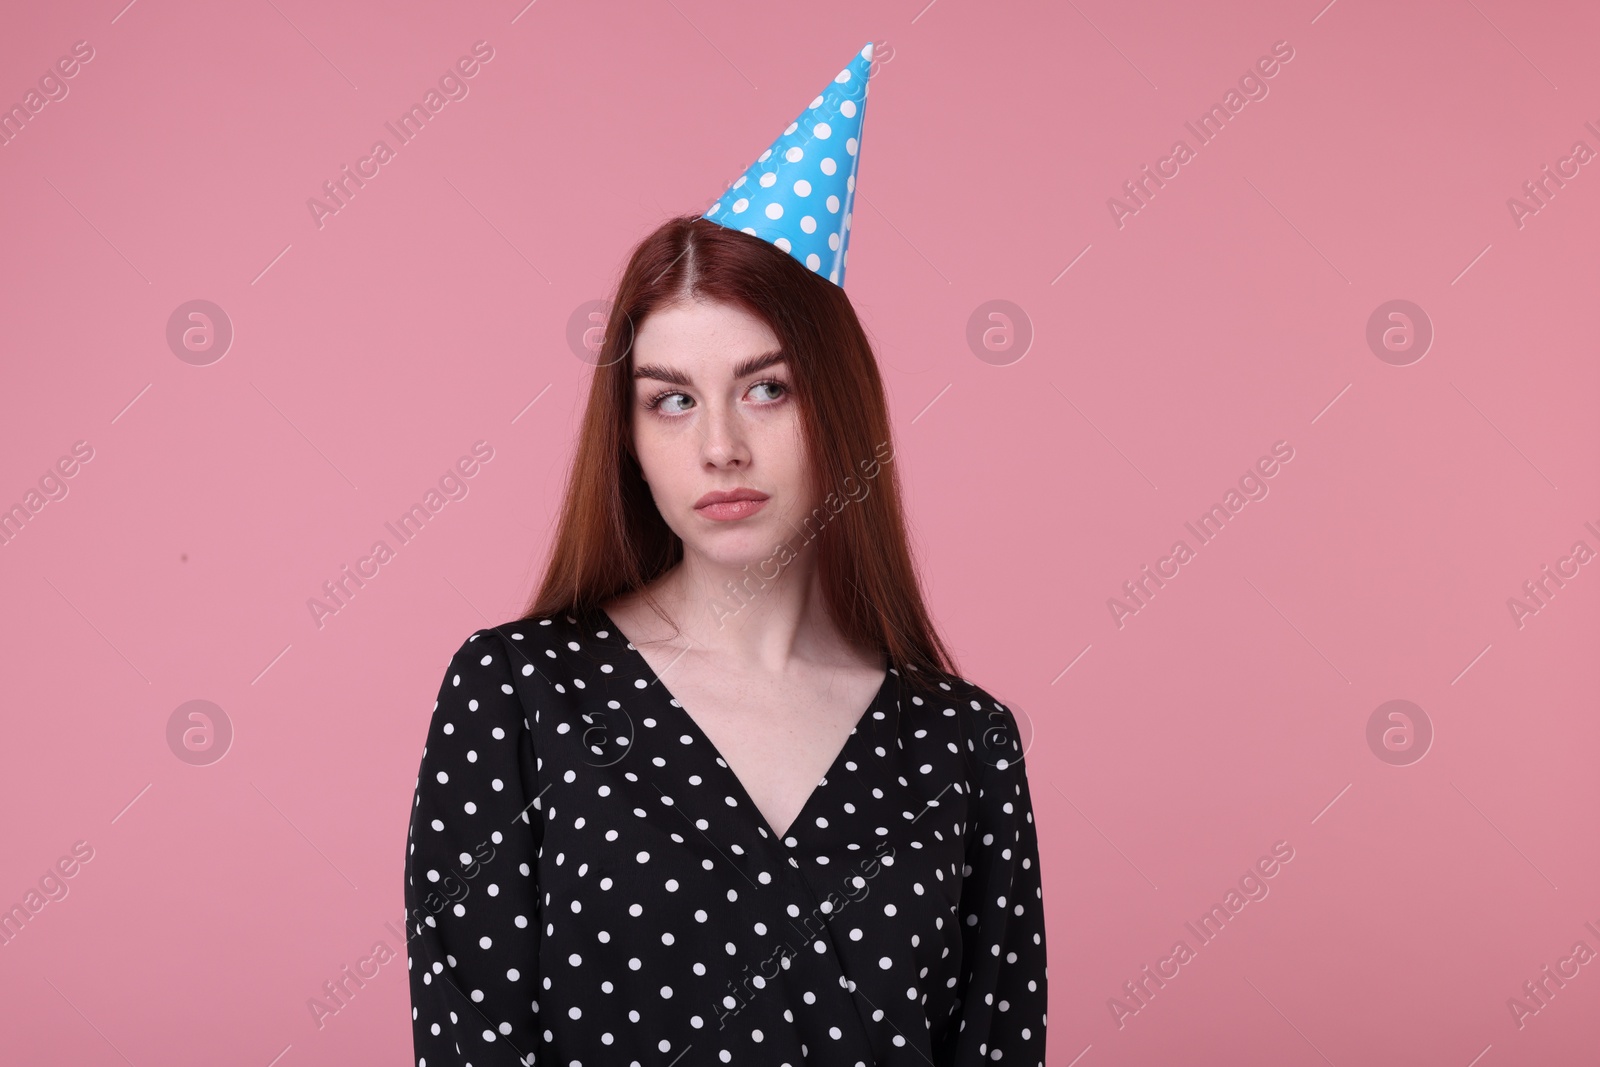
723 441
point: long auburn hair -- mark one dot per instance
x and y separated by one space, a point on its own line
611 538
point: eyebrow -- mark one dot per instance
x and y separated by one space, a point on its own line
676 377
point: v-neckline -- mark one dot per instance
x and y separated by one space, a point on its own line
629 649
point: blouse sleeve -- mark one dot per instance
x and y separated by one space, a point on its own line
1004 999
471 895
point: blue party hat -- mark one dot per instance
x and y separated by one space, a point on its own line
800 193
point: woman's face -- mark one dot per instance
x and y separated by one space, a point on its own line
714 411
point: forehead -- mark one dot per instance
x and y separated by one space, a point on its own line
703 334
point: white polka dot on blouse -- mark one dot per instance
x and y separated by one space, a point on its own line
588 883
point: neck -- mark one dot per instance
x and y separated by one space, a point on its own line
763 614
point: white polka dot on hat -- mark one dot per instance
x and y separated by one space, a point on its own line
800 193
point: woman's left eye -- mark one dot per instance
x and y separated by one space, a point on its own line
771 385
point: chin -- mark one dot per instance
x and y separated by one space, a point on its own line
733 551
736 548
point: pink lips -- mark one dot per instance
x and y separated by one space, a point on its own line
725 505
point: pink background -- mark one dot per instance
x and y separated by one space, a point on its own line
1229 313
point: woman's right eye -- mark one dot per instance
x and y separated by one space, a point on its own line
668 398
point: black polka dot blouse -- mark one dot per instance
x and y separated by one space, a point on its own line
588 884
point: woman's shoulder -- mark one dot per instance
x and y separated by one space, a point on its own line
546 626
995 732
553 632
951 692
523 646
560 654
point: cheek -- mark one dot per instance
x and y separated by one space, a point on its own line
657 456
788 457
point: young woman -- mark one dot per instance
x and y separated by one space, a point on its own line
720 794
719 797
